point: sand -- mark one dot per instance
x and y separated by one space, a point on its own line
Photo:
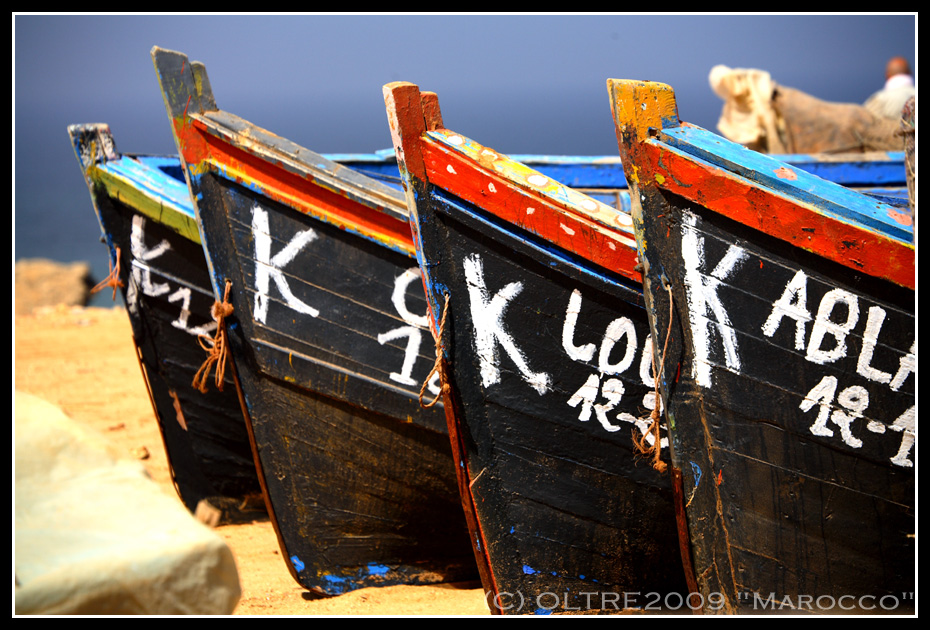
83 360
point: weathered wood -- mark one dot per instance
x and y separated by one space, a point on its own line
330 347
547 375
147 223
789 378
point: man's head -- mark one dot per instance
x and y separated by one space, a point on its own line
897 65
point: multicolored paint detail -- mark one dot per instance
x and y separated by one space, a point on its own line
519 174
597 173
901 217
213 141
819 195
817 216
853 170
522 175
820 233
561 216
381 219
145 184
372 574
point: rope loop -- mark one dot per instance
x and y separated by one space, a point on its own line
655 449
112 279
217 346
439 365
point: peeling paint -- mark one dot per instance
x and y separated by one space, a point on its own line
901 217
696 470
783 172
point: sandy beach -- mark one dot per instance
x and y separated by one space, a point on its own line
83 360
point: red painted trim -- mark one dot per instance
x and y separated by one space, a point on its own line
556 223
463 478
778 216
203 151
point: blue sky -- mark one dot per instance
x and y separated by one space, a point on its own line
518 83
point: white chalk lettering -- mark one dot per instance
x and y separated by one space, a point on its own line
703 300
587 395
645 364
824 326
487 315
183 294
907 365
905 424
268 267
852 400
873 327
412 331
141 253
399 298
617 330
612 391
822 393
575 353
851 405
793 304
410 353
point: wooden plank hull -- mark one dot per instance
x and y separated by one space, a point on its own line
168 297
546 468
547 383
789 378
327 339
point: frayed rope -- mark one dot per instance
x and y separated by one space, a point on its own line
112 279
217 347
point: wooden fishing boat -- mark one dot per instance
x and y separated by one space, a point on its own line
545 361
313 266
147 223
785 308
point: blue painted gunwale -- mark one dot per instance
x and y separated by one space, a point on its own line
821 195
854 170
